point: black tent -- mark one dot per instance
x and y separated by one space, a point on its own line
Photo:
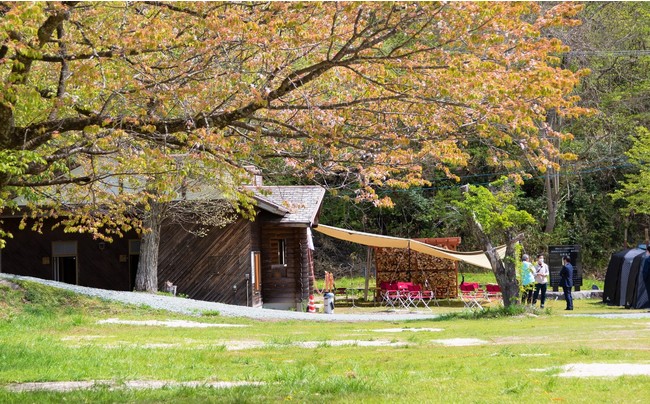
623 281
637 294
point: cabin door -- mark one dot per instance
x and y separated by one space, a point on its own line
134 260
64 262
256 276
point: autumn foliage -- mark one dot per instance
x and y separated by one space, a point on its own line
367 93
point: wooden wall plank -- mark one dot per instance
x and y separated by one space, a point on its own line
211 268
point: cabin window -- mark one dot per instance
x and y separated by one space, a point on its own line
256 270
279 264
134 247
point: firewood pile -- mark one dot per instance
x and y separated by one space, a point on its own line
396 264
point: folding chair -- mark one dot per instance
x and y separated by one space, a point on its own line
384 287
391 295
428 294
468 295
404 294
493 292
413 295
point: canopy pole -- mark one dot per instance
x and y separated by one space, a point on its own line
367 270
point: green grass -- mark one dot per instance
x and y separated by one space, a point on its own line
480 277
488 277
51 335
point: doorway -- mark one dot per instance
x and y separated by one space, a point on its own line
65 269
134 260
64 263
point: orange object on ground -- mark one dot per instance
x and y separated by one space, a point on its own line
311 307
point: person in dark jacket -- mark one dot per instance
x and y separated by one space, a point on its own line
566 281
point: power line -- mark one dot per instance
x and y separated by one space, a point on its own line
566 170
559 174
631 52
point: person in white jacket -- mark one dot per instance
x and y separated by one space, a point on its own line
541 280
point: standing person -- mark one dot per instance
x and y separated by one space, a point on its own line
541 280
566 281
527 280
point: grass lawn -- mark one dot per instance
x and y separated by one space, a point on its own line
48 335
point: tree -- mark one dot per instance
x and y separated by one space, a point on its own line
494 218
635 189
612 43
188 199
367 93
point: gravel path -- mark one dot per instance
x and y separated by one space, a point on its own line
195 307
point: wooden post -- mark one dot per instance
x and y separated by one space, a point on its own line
646 237
368 264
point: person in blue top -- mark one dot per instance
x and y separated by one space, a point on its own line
566 281
527 280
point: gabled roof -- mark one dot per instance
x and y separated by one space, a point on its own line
294 204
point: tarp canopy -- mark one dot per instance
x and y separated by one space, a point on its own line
477 258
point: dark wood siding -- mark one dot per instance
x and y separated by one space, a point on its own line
216 267
30 254
213 267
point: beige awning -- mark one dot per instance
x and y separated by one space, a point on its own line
477 258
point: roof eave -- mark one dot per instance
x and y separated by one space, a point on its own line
270 207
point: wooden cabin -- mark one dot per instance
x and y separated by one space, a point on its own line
266 262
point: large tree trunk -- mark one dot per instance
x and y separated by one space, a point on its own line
505 270
552 185
146 279
552 179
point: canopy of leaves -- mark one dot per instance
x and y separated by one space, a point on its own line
635 190
495 210
612 42
366 93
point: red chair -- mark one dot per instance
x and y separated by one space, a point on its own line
493 292
469 287
413 295
404 285
426 296
390 294
469 294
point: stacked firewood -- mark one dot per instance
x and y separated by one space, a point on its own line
404 265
